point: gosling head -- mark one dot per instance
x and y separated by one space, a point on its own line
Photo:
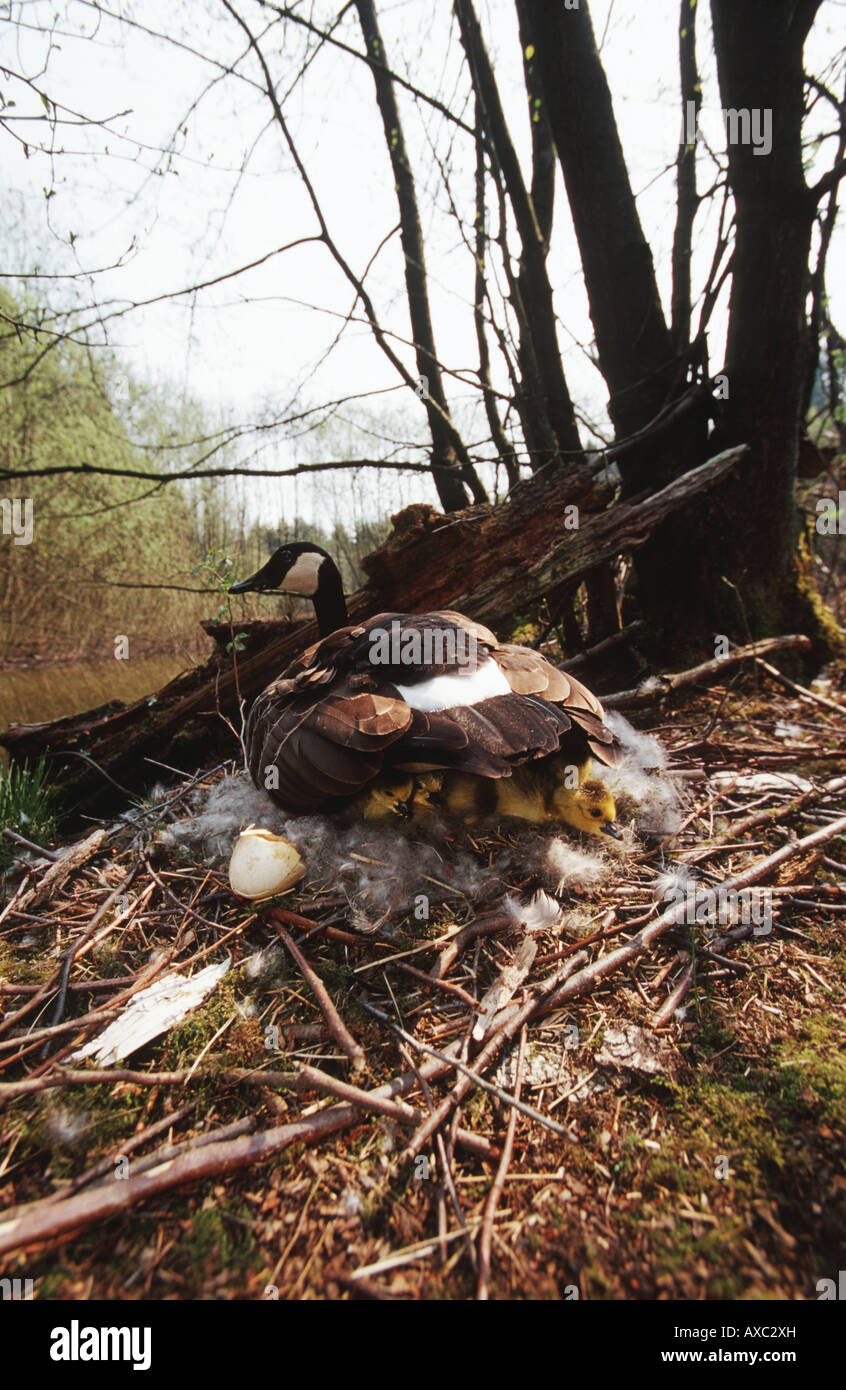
589 808
385 799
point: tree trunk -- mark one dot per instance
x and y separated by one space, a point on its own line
634 344
540 351
687 200
451 464
633 341
759 61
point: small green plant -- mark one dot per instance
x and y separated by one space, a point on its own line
217 568
26 806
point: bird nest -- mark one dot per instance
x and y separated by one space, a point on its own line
481 1061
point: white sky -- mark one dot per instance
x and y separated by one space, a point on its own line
255 346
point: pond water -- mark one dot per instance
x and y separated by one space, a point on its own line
30 694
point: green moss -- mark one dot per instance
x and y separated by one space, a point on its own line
812 1069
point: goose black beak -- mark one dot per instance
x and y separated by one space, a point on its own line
258 581
612 828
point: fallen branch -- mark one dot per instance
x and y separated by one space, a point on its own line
658 687
486 1233
597 970
510 1022
472 1075
336 1025
48 1219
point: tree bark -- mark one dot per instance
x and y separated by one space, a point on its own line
687 199
540 352
635 349
633 342
452 466
753 533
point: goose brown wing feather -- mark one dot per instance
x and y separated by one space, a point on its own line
579 697
362 721
321 747
529 673
512 727
477 630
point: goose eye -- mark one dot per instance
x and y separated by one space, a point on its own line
596 815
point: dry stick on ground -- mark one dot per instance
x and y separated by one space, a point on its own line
513 1019
67 860
80 941
665 1013
78 1026
483 926
50 855
767 817
55 979
685 982
337 1027
446 1169
168 1152
314 1078
62 1077
71 1026
105 1165
699 809
486 1233
46 1220
141 1165
587 978
49 1219
455 990
800 690
473 1076
554 994
79 986
144 978
659 687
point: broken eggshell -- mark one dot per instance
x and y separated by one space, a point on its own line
263 864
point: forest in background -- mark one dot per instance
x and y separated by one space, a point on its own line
153 562
113 558
434 334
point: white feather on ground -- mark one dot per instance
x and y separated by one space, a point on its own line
576 868
673 881
642 784
540 913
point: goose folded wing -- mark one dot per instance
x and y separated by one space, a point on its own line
486 739
529 673
602 743
312 751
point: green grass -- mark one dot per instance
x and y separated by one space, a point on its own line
26 806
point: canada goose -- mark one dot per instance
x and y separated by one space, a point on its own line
406 694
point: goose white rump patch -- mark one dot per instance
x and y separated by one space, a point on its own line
443 692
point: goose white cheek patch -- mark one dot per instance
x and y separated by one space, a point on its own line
444 692
303 575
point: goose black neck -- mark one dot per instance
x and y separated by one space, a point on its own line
330 606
